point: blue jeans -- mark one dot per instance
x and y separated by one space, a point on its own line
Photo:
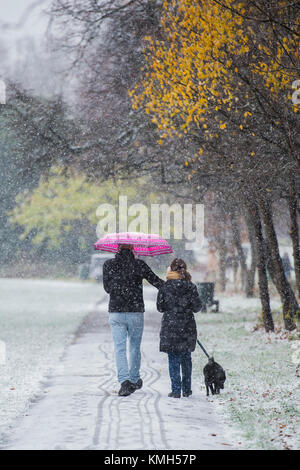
183 360
127 325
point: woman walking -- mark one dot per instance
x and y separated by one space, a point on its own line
177 299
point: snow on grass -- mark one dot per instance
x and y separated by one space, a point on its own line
262 392
37 320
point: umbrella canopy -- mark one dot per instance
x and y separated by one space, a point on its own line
143 244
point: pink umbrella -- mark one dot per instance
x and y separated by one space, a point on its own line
143 244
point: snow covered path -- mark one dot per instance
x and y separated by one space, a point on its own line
80 408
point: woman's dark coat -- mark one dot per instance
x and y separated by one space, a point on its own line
177 300
123 280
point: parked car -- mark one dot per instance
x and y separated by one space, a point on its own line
96 265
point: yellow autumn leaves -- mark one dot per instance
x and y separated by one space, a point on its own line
63 203
190 66
196 64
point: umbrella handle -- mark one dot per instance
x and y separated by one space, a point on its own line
203 349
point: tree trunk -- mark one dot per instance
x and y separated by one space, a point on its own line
247 275
235 267
236 234
254 260
222 248
289 302
294 232
222 262
254 219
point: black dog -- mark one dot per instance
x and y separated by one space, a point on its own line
214 376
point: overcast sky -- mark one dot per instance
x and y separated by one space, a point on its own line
23 17
23 22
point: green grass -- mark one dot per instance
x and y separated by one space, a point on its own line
262 392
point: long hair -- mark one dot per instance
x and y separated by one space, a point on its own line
180 266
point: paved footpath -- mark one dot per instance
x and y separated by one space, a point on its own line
80 409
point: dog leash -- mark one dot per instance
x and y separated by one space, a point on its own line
203 349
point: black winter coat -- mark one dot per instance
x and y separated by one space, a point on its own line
177 300
123 280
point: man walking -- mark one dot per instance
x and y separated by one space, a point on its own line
123 281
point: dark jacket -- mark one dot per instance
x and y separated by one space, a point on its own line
123 280
177 300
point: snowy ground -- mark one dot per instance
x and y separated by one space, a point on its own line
80 408
37 320
76 406
261 399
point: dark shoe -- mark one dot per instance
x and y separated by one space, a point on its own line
137 385
174 395
126 388
187 394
